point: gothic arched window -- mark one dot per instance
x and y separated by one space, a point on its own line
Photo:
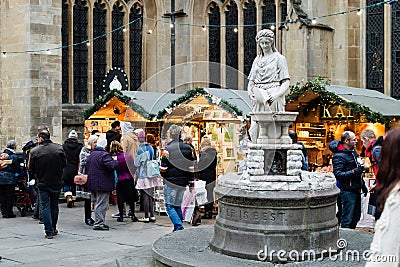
117 36
250 45
214 46
80 51
135 37
395 90
99 47
64 67
231 42
268 12
375 45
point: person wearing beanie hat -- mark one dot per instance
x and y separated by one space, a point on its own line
72 148
73 134
144 155
129 140
102 142
100 168
126 127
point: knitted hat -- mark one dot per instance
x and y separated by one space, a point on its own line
126 127
102 142
73 134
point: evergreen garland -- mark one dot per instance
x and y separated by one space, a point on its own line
191 94
121 97
317 86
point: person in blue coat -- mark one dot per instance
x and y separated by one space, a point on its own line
8 180
101 182
348 173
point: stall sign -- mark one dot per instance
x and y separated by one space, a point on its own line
337 112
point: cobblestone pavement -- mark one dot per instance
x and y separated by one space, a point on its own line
22 240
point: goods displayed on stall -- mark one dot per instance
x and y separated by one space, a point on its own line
203 113
325 111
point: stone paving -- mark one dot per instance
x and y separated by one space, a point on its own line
22 240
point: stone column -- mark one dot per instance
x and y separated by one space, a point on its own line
30 81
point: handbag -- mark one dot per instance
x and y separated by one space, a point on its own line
80 179
152 168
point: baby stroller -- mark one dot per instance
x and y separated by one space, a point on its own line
25 194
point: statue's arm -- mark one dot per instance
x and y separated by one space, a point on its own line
250 91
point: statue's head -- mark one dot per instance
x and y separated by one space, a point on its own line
265 33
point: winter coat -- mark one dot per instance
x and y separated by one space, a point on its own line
100 168
7 174
130 143
345 167
178 163
72 149
144 153
207 165
47 162
125 167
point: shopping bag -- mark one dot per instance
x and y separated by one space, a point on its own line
201 192
188 204
152 168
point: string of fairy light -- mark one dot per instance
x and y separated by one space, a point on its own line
204 27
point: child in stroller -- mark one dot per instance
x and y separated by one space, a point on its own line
25 194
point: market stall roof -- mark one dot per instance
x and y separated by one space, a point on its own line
376 101
152 102
238 98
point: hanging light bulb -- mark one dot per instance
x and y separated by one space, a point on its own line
88 44
272 27
124 29
4 54
203 27
235 30
149 31
48 51
314 21
359 12
171 25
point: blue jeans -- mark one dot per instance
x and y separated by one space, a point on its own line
351 209
173 197
49 196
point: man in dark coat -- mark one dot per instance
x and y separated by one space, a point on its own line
207 166
47 162
114 134
8 180
100 168
348 173
179 173
72 148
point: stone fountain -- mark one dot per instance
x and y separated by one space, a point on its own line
273 206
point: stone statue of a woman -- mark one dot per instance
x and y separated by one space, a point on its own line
268 79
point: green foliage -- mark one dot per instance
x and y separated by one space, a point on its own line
191 94
123 98
317 86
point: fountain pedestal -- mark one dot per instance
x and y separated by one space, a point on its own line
273 206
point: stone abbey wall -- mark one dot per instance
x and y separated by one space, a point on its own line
30 83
